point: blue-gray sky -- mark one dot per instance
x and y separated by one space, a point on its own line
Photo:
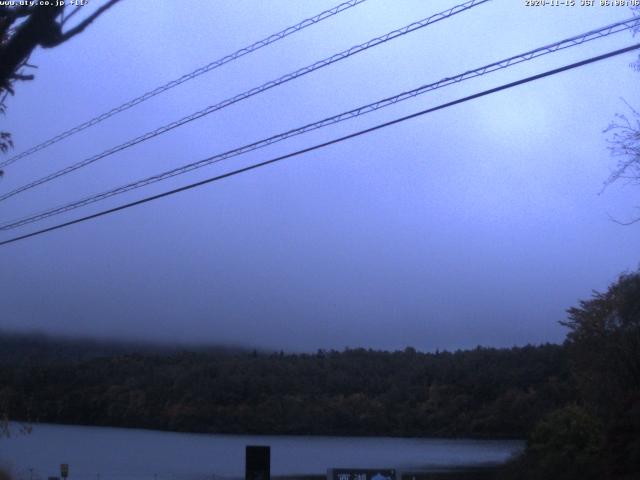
478 224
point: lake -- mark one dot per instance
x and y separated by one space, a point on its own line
101 453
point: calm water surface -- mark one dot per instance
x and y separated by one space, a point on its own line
99 453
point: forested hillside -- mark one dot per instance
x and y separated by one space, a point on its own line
481 392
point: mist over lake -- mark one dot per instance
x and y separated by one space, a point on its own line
122 454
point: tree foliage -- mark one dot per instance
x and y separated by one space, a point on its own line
483 392
26 26
604 343
564 444
601 437
604 346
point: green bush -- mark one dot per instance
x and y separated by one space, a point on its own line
565 444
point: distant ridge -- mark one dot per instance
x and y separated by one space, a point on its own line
38 347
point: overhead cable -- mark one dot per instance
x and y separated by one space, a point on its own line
184 78
371 107
249 93
326 144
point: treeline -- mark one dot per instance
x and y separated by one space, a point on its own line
578 404
597 436
485 392
38 348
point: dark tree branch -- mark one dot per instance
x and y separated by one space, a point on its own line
84 24
16 12
24 28
20 76
40 27
68 17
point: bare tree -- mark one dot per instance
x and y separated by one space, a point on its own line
624 142
23 28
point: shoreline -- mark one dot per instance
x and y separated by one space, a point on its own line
499 438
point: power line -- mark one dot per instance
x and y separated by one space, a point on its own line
371 107
189 76
254 91
330 142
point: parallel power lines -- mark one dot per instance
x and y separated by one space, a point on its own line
185 78
326 144
340 117
253 91
624 25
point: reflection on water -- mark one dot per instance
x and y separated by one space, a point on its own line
99 453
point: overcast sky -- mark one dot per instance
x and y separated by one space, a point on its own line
478 224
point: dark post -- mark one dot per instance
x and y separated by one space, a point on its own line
257 463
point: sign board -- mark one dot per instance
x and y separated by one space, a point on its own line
361 474
257 463
64 470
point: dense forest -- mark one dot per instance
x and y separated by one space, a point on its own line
577 404
483 392
596 436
